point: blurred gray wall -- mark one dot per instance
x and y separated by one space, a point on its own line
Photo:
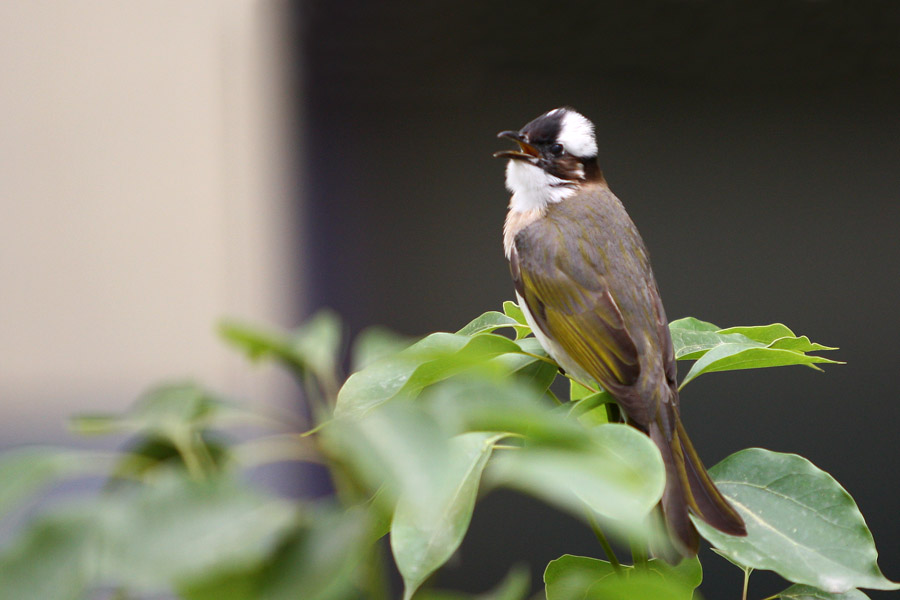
755 144
146 151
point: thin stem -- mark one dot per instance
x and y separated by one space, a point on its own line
638 555
746 583
604 543
192 461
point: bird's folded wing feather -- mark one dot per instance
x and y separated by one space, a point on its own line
577 309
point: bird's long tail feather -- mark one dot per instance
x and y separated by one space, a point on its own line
688 487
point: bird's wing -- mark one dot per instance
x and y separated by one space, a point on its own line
575 308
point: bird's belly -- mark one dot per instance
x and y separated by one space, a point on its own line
561 357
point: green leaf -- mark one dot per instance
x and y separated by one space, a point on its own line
511 309
692 338
176 530
580 578
397 448
375 343
506 406
318 561
515 586
24 471
806 592
800 523
433 359
488 323
143 536
51 559
731 357
425 534
618 474
312 347
171 410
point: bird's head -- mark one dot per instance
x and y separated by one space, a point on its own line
557 152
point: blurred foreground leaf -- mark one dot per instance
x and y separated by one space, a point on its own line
24 471
582 578
618 474
428 361
806 592
425 534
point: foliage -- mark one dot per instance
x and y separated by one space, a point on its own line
411 439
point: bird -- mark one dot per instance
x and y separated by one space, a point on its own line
583 280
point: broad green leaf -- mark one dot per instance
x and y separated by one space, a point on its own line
52 558
693 338
806 592
509 406
24 471
731 357
433 359
578 391
581 577
147 537
172 411
396 447
318 561
531 371
373 344
619 474
515 586
176 530
488 323
776 336
425 534
591 409
800 523
511 309
312 347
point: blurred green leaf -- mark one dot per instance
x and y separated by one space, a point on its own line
24 471
144 537
433 359
313 347
806 592
506 406
581 578
176 530
571 577
424 534
396 447
515 586
619 474
172 411
800 523
318 561
375 343
53 559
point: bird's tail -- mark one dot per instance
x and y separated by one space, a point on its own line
688 486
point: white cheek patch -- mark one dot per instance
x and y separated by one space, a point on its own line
577 135
533 188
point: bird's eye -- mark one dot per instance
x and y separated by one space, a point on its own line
556 149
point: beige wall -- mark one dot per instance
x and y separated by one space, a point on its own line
143 194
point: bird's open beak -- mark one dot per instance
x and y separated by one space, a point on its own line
526 151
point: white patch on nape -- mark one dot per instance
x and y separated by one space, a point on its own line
577 135
533 188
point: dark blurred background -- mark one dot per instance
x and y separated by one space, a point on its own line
755 144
